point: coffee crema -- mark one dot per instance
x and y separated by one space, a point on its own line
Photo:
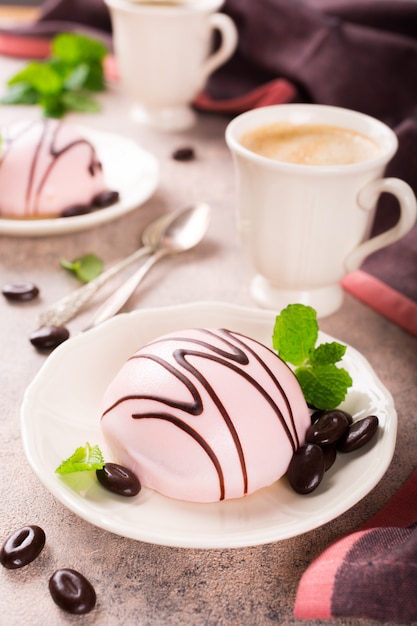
310 144
164 3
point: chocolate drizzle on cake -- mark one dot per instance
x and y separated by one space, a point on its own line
235 356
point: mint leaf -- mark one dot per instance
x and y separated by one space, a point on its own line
73 48
87 76
95 80
327 353
20 93
323 386
83 459
40 76
62 82
85 268
79 101
295 333
77 77
52 105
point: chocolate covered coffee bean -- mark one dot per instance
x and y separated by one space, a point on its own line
48 338
118 479
306 468
105 198
72 592
75 210
20 292
358 434
320 412
328 428
22 547
184 154
330 454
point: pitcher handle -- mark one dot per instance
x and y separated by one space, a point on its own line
229 37
367 199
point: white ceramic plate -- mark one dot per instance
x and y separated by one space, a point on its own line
128 169
60 412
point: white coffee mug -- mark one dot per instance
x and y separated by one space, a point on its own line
306 226
164 55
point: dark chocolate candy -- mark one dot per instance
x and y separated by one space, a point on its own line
328 428
20 292
306 468
49 337
22 547
72 592
118 479
358 434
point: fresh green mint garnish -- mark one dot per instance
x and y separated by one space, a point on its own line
84 458
63 82
85 268
323 383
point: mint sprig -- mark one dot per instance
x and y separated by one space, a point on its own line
85 268
324 384
63 82
83 459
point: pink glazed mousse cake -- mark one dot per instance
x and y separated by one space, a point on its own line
204 415
47 170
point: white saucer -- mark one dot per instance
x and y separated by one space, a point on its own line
61 411
128 169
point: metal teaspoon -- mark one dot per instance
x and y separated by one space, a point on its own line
68 306
184 232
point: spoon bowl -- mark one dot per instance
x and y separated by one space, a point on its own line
185 230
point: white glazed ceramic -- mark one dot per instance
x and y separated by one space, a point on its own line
164 55
306 226
61 411
128 169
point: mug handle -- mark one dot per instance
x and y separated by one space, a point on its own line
408 213
229 37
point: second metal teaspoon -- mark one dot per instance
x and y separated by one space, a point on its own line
184 232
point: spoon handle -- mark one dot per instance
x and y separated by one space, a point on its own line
68 306
118 298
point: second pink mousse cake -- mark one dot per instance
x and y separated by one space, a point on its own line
46 167
205 415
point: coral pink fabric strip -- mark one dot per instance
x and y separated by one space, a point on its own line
24 47
315 590
275 92
390 303
39 48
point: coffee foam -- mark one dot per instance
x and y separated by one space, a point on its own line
310 144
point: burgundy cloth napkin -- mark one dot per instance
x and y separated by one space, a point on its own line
371 573
360 54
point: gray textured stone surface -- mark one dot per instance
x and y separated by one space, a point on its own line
137 583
